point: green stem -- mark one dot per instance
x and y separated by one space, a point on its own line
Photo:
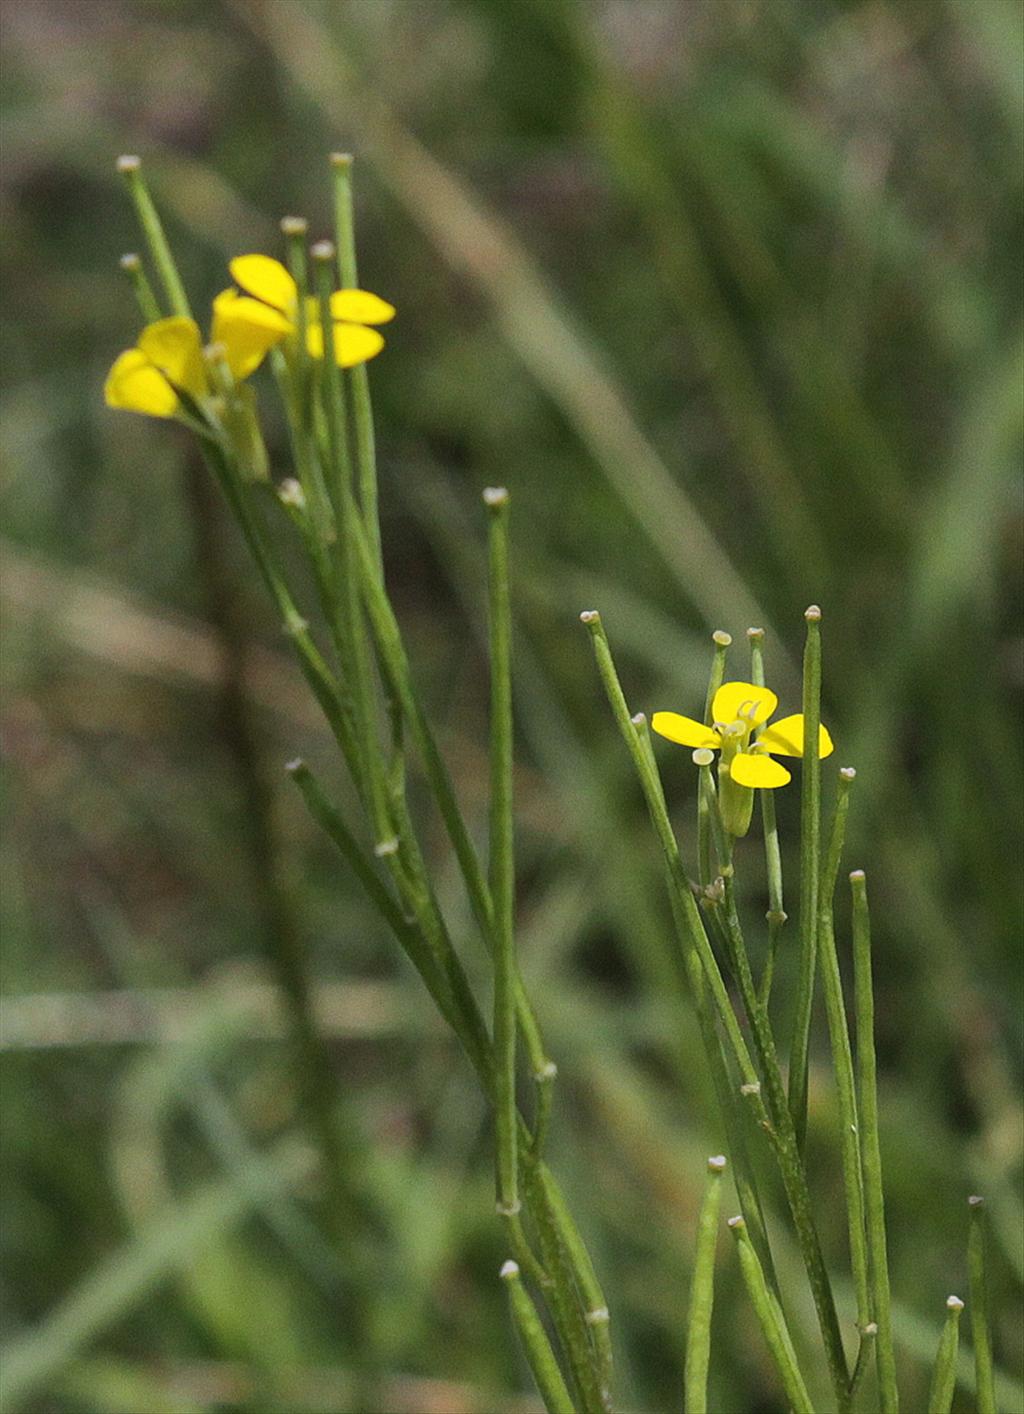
776 915
871 1156
810 829
502 851
980 1332
767 1314
536 1346
842 1054
940 1395
153 232
702 1293
131 264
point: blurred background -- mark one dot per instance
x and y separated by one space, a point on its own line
728 294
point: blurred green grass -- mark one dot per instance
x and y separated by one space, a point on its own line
728 295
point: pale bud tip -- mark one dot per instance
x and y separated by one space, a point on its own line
847 773
322 250
296 764
130 262
703 756
509 1270
812 614
871 1329
589 616
716 1163
857 876
495 496
294 225
953 1303
755 634
975 1201
547 1071
290 493
638 719
722 638
737 1224
341 159
384 848
128 162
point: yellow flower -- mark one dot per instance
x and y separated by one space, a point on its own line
168 358
738 710
271 292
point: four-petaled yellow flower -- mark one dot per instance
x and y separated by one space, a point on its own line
738 710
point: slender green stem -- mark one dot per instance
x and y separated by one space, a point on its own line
702 1293
810 829
865 1349
980 1332
871 1156
502 864
842 1054
536 1346
776 915
153 232
705 807
131 264
940 1395
767 1314
358 378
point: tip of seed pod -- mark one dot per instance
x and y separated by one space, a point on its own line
495 496
857 876
975 1201
290 492
294 225
341 159
589 616
755 634
737 1224
870 1329
953 1303
128 162
812 614
322 250
509 1270
848 773
638 719
130 262
295 764
752 1087
722 638
703 756
716 1163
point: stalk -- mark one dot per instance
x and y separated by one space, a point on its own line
980 1332
810 829
871 1157
767 1314
776 915
536 1346
940 1395
130 168
131 264
702 1293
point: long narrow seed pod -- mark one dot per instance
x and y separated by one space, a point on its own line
842 1053
536 1346
810 829
130 168
940 1395
132 266
702 1293
980 1333
722 641
766 1311
871 1156
776 915
502 860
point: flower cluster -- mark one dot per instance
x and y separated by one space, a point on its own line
167 367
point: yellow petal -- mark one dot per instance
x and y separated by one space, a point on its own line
352 343
265 278
786 737
748 770
361 307
684 730
742 701
175 346
134 384
247 330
